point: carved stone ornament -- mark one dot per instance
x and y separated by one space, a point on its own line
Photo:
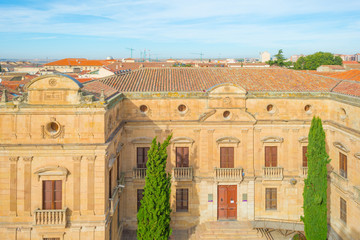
52 129
357 155
182 140
52 82
206 115
77 158
28 159
341 146
13 159
272 139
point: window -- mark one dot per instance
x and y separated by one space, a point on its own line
140 196
304 161
142 156
271 156
182 200
226 157
182 157
343 165
343 210
271 199
110 182
52 194
118 167
51 238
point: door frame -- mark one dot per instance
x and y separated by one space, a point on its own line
217 205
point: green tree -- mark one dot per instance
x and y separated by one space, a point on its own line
312 62
154 214
280 60
315 189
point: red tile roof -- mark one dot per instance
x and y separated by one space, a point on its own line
95 88
10 93
79 62
353 74
348 88
202 79
118 66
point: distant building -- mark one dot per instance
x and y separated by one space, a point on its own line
76 64
330 68
264 57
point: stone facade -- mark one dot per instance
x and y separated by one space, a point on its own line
88 140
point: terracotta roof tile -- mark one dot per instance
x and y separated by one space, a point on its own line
79 62
200 79
348 88
10 93
95 87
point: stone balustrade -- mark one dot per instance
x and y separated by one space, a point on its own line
50 217
139 173
228 174
273 173
183 173
339 181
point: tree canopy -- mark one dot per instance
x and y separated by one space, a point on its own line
315 188
312 62
154 213
279 60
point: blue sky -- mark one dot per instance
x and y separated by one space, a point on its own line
96 29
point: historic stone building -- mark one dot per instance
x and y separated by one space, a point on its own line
73 157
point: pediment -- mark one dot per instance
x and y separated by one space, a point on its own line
227 140
142 140
272 139
183 140
304 139
52 171
341 146
226 88
54 81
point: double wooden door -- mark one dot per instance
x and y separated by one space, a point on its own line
227 202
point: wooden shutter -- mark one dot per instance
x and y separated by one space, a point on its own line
271 156
274 156
304 152
178 157
267 156
271 199
182 200
185 159
52 194
146 149
343 165
226 157
142 156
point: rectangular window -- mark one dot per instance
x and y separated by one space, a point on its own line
110 182
52 194
271 199
182 200
343 210
304 152
182 157
142 156
51 238
271 156
226 157
343 165
140 196
118 167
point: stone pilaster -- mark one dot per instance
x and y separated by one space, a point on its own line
27 185
77 183
91 183
13 185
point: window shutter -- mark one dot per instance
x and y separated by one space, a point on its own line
58 194
140 157
222 157
146 155
48 195
186 157
231 157
178 157
267 156
274 156
304 156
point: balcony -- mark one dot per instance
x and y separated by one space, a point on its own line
228 174
53 217
357 193
339 181
183 173
139 173
304 172
273 173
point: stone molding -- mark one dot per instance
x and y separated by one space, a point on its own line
303 139
52 171
13 159
141 140
27 159
228 139
341 146
182 140
272 139
357 155
91 158
77 158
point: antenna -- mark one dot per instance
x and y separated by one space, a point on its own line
131 51
201 55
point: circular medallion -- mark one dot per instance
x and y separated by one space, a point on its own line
52 82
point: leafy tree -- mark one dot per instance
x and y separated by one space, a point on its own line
154 214
315 195
280 60
312 62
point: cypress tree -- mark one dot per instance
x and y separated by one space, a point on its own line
154 214
315 195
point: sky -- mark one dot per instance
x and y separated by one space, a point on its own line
96 29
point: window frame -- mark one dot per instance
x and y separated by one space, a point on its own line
343 210
271 202
53 190
182 157
304 157
183 194
343 165
227 162
144 154
271 154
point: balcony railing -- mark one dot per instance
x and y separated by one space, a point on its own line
228 174
339 181
273 173
139 173
50 217
183 173
304 171
357 193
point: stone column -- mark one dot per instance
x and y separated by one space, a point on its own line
77 182
27 185
13 185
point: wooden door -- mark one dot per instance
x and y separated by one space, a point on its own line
227 202
52 194
271 156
